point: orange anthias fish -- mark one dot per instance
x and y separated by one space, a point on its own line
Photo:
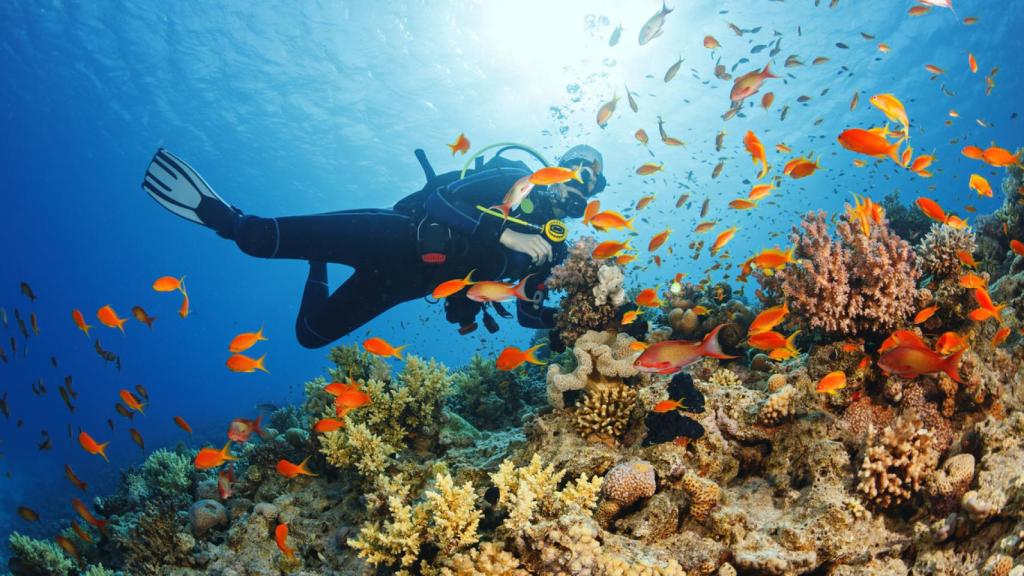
245 340
515 196
241 429
624 259
966 258
512 357
611 220
349 400
711 43
893 109
446 289
182 424
224 479
381 347
911 359
773 259
649 168
767 99
767 340
668 406
723 238
787 350
671 356
461 145
290 470
648 297
88 516
972 63
328 425
641 136
604 114
980 185
972 280
931 209
925 314
137 438
760 192
918 10
658 240
757 153
184 310
555 175
831 383
79 319
131 401
73 478
245 364
1017 246
141 316
748 84
593 207
768 319
28 514
934 69
705 226
80 532
1000 336
972 152
484 291
630 316
211 457
869 143
742 204
91 446
108 318
1000 157
800 168
986 308
644 202
949 343
609 249
169 284
281 537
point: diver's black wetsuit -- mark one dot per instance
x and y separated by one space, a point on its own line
382 246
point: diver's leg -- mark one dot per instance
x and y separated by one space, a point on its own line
353 237
361 298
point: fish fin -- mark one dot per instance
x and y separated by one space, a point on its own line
520 289
398 351
102 450
226 451
951 366
767 72
629 224
303 469
259 364
711 347
531 358
468 279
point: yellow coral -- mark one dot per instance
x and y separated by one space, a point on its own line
356 445
454 517
703 495
488 560
604 412
397 540
532 492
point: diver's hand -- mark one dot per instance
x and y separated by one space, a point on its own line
533 245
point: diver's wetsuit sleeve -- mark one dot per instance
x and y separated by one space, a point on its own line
455 205
531 315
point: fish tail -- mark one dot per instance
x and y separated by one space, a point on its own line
531 357
398 351
101 449
504 208
225 452
468 279
894 153
259 364
256 426
711 347
303 469
259 334
453 147
767 72
520 289
629 223
576 175
951 366
86 329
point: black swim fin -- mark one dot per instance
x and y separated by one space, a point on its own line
179 188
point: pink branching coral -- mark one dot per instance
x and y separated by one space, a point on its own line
853 284
590 303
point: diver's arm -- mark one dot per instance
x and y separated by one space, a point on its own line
455 205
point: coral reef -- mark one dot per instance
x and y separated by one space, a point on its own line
601 357
854 284
38 557
937 251
492 399
593 292
897 463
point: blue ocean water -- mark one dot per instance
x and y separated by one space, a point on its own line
292 108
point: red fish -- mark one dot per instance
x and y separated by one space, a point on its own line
70 475
609 249
911 360
512 357
555 175
869 143
76 315
948 343
131 401
723 238
328 425
224 479
241 429
749 83
658 240
141 316
671 356
281 537
182 424
925 314
461 145
648 297
86 515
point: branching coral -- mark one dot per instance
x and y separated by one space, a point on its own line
897 463
39 557
165 475
937 251
151 543
855 284
492 399
488 560
589 303
358 446
531 493
777 407
604 412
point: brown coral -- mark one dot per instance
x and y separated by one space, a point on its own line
582 308
897 463
604 413
853 284
600 357
623 485
936 252
777 407
949 483
703 493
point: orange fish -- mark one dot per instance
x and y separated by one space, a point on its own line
980 185
610 249
883 47
593 207
760 191
73 478
224 479
184 310
182 424
934 69
328 425
349 400
704 227
971 280
648 297
611 220
643 202
972 152
1000 157
918 10
68 547
773 258
925 314
767 99
972 63
649 168
515 196
245 340
667 406
1000 336
893 109
555 175
28 514
970 20
767 340
91 446
658 239
137 438
949 343
742 204
768 319
966 258
281 537
446 289
241 429
108 318
1017 246
131 401
800 168
483 291
630 316
987 309
852 346
757 153
381 347
290 470
243 363
787 350
869 144
512 357
953 113
711 43
76 315
637 346
748 84
911 360
901 337
169 284
624 259
921 163
461 145
641 136
671 356
86 515
80 532
831 383
141 316
932 209
604 114
782 148
211 457
723 239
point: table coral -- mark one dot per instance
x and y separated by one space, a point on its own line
897 463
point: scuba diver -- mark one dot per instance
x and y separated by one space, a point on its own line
442 232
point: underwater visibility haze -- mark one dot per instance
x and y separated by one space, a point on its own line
482 287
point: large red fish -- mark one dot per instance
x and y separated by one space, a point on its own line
671 356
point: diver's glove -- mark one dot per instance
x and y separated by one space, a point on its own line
533 245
